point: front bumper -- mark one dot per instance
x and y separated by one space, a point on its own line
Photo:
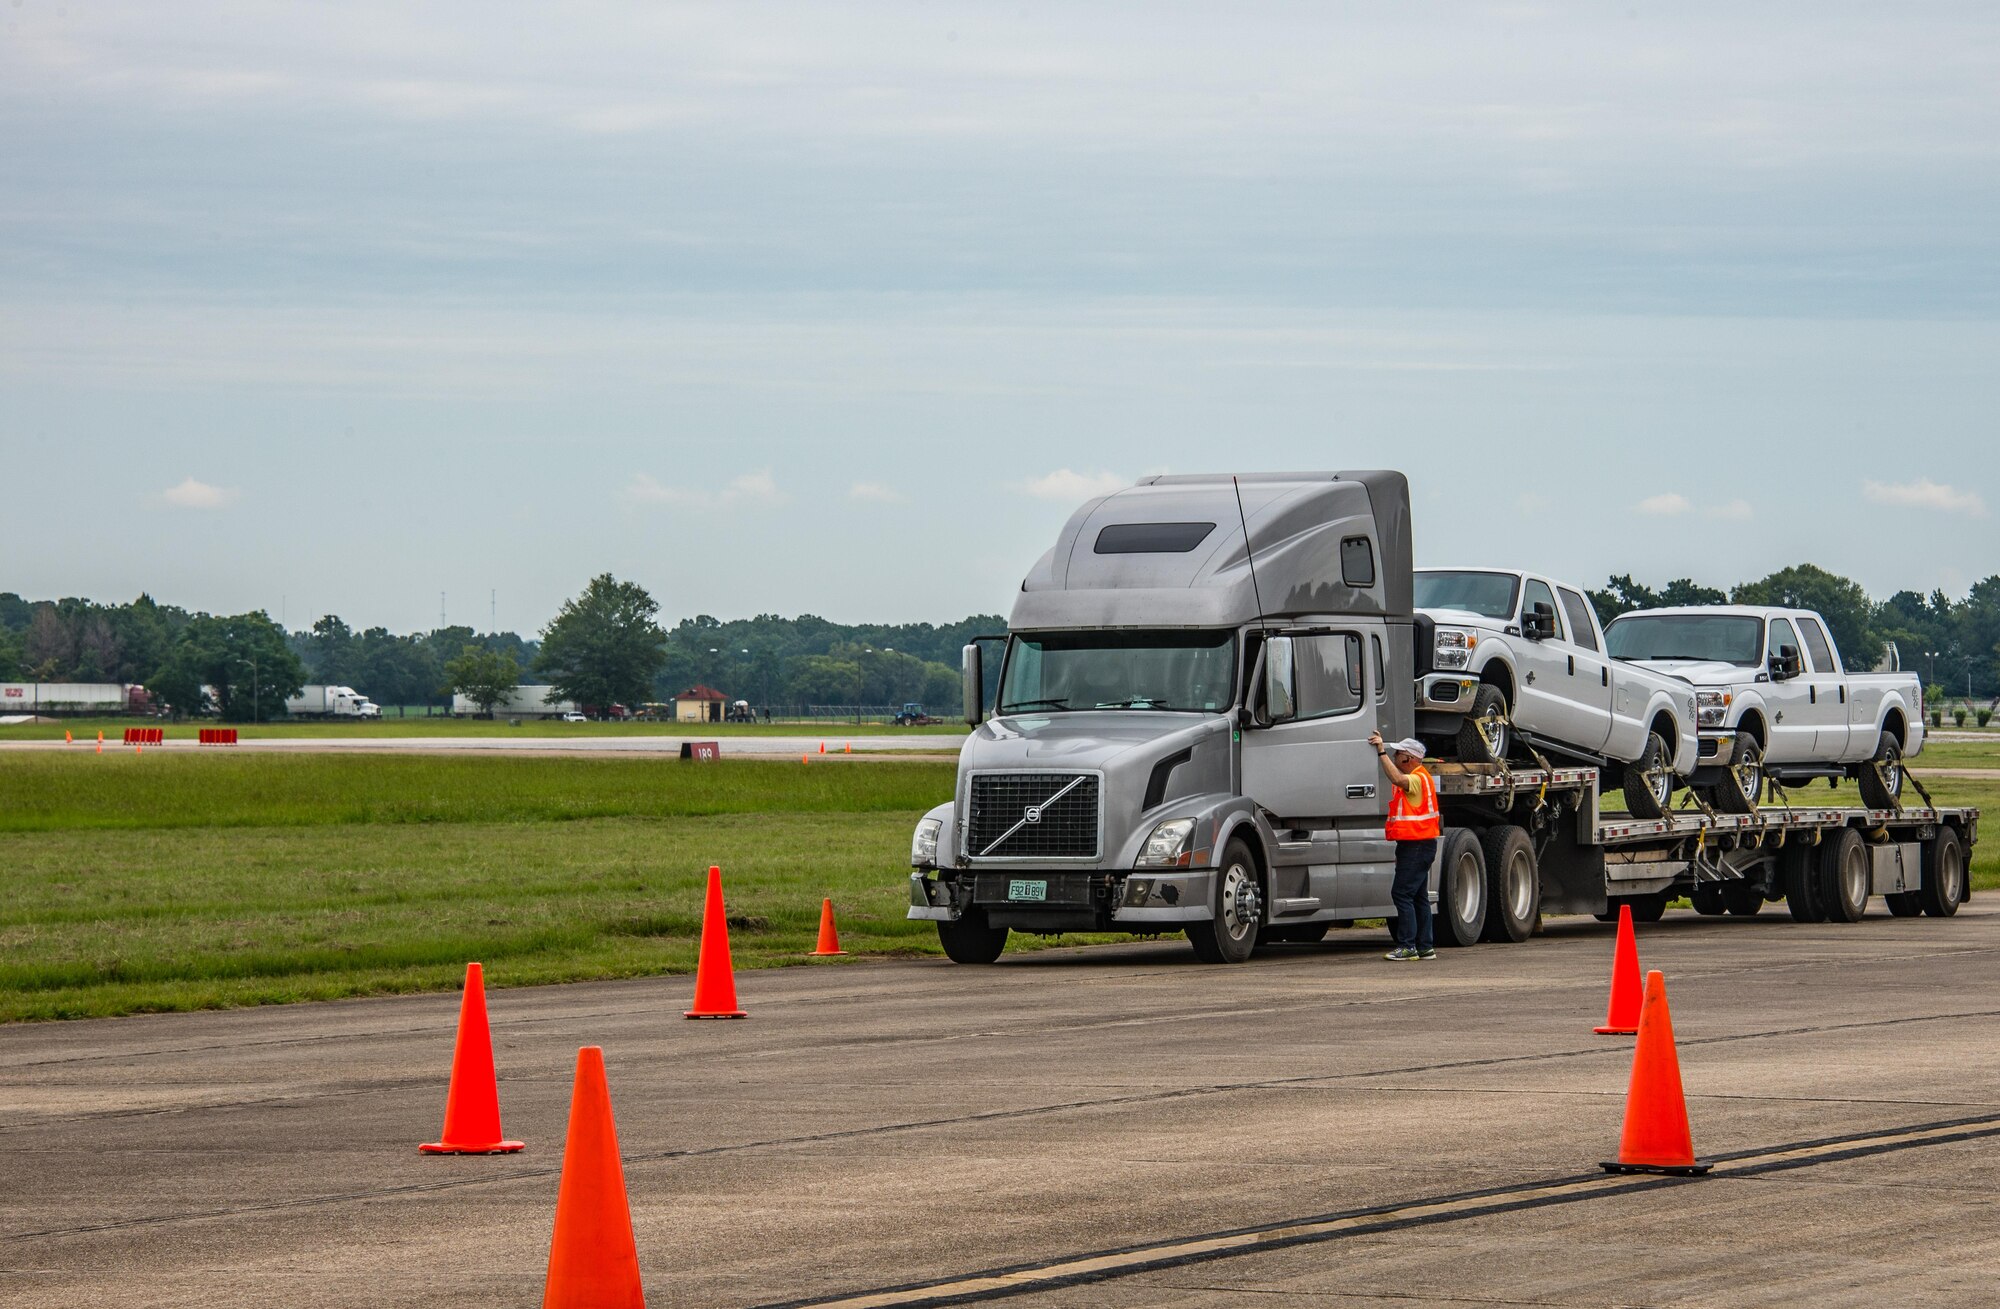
1449 693
1137 900
1715 749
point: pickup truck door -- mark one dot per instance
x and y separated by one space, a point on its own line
1590 675
1826 693
1543 704
1316 770
1792 727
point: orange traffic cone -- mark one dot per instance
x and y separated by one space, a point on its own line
1656 1137
472 1105
829 940
822 747
714 978
593 1260
850 747
805 759
1621 1017
66 737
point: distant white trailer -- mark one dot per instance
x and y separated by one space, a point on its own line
521 702
331 702
72 698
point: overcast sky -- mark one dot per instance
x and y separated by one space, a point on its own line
843 308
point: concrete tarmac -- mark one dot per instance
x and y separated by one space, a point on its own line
1112 1126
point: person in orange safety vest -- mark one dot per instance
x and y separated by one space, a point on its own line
1414 825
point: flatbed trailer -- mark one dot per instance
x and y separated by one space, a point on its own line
1539 841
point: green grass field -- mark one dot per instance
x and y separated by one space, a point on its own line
308 729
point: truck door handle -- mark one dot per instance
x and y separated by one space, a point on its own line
1606 673
1361 792
1843 695
1572 665
1812 695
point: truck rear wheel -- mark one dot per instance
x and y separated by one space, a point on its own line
1801 885
1649 780
1742 901
1942 889
1487 734
1904 904
1879 778
1844 869
1462 909
1742 784
1707 901
971 939
1238 901
1513 885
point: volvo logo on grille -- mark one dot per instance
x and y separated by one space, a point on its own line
1032 814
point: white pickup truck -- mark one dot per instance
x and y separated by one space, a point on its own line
1505 654
1774 699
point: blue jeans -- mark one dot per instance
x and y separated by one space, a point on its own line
1411 892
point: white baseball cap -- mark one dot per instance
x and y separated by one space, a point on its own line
1409 745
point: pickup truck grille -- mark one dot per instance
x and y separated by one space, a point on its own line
1018 807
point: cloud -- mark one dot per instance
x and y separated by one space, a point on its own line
876 493
192 494
1736 511
746 489
1069 486
1925 494
1664 504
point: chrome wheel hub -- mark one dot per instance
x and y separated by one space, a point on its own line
1242 902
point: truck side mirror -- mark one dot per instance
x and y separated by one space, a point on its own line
1539 623
1280 703
970 666
1785 664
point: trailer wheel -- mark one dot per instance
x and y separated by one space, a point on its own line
1461 896
1742 784
1801 885
1513 885
1486 735
1707 901
1649 780
1742 901
1843 877
1880 777
1230 936
1942 889
1904 904
971 939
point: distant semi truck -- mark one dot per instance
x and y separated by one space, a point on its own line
331 702
70 698
521 702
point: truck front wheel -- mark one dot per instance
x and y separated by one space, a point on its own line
1649 780
1880 777
1238 901
1486 736
1742 783
971 939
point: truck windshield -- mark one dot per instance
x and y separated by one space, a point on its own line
1490 595
1723 638
1067 672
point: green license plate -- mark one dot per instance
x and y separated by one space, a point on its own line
1020 889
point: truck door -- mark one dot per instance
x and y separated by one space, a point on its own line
1543 706
1589 677
1826 693
1792 727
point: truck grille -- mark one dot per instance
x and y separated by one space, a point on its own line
1065 829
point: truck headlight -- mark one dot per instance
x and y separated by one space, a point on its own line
1171 845
923 845
1454 647
1712 708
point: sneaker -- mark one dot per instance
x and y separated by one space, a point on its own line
1401 954
1427 954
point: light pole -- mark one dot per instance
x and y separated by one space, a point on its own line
255 708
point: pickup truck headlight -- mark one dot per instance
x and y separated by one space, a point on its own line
1454 647
1171 845
923 845
1712 708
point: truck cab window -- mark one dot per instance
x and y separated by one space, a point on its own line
1822 653
1329 674
1537 592
1782 635
1381 681
1577 610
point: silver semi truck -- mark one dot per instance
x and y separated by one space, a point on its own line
1178 742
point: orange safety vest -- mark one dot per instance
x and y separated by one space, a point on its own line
1415 820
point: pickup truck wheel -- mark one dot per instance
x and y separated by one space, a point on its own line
1942 888
1742 784
1238 901
971 939
1880 777
1844 876
1801 885
1707 901
1513 884
1460 917
1487 734
1649 780
1742 901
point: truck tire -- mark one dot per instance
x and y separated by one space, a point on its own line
1707 901
1513 885
1796 863
1487 734
1649 780
1742 901
1460 917
1942 888
971 939
1843 871
1880 777
1238 901
1904 904
1742 784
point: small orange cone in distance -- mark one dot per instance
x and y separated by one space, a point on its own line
1656 1137
66 737
829 940
822 747
714 977
472 1105
593 1260
1621 1017
850 747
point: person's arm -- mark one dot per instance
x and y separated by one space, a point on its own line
1396 775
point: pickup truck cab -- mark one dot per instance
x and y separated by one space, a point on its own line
1512 656
1775 699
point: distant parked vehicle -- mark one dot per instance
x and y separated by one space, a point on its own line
913 715
331 702
57 698
574 717
1774 699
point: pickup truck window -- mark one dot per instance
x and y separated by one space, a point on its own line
1822 653
1581 629
1490 595
1539 593
1069 672
1722 638
1782 635
1329 674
